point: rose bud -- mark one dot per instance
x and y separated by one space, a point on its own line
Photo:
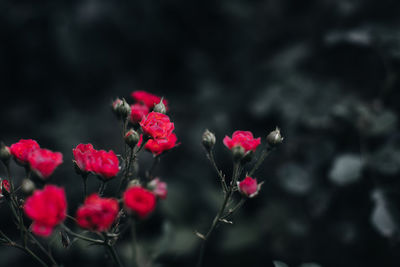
65 241
160 107
249 187
121 108
83 154
5 153
238 153
138 112
4 188
140 201
274 138
244 139
43 162
134 182
22 149
97 214
159 188
208 140
27 186
47 208
131 138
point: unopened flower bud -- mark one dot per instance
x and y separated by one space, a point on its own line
160 107
238 153
121 108
208 140
249 187
158 187
4 189
134 182
115 105
65 240
5 153
131 138
274 138
27 186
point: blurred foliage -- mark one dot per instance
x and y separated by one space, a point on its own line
326 72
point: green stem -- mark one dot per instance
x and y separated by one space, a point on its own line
134 241
14 205
84 180
45 251
96 241
24 249
234 209
264 154
29 252
154 166
127 170
113 254
221 176
216 220
102 187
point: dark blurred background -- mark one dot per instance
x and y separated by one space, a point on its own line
325 71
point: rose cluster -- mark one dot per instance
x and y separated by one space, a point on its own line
136 198
99 162
41 161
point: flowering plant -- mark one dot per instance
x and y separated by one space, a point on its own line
104 220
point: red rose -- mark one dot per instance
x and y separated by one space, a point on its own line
43 161
244 139
148 99
96 213
22 149
5 186
47 208
83 154
139 200
249 187
104 164
158 146
138 112
157 125
159 188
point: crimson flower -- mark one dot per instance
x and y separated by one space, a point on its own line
43 162
22 149
159 188
104 164
159 146
139 200
249 187
148 99
157 125
83 154
244 139
5 185
138 112
47 208
96 213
